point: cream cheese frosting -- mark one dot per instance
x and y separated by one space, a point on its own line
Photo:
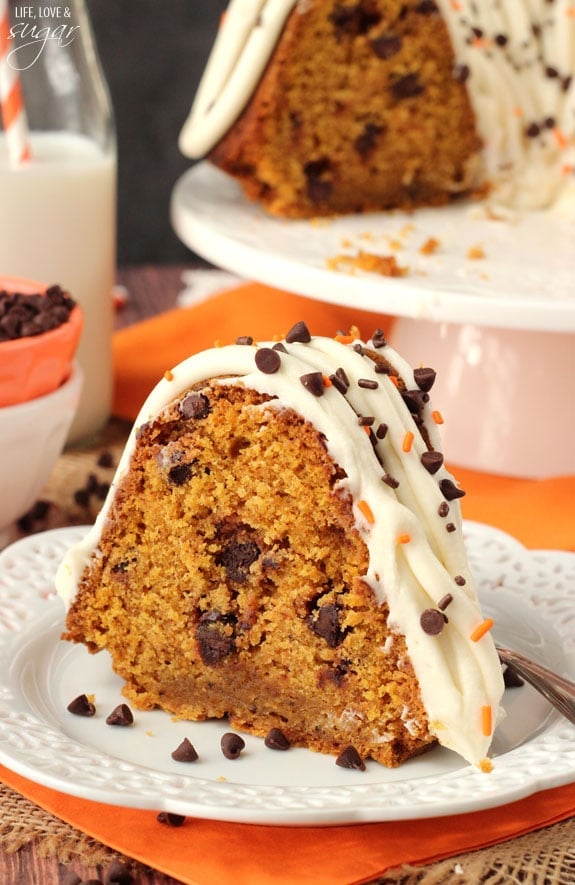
518 62
407 513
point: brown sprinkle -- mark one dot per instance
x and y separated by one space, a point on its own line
232 745
381 431
443 509
459 580
367 383
245 339
445 601
172 820
390 481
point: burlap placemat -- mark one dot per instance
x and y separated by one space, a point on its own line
73 496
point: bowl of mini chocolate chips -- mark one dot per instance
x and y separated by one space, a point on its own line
40 328
40 385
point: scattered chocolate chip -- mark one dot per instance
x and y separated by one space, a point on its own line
37 513
350 758
381 431
354 20
445 601
432 461
460 580
424 378
313 381
532 131
378 339
121 715
501 39
279 347
368 139
368 383
276 740
413 399
511 678
81 706
245 339
325 622
318 188
299 332
118 874
443 509
185 752
105 459
236 557
408 86
432 621
387 45
267 360
172 820
232 745
450 491
390 481
194 405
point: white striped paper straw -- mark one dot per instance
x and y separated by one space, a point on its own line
12 107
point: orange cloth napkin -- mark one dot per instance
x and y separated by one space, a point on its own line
202 852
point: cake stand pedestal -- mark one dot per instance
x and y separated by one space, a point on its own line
491 307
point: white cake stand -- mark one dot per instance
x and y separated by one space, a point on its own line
491 307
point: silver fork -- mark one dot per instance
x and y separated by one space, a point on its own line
560 692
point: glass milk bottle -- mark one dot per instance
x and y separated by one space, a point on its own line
58 203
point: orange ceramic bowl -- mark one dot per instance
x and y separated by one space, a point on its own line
38 364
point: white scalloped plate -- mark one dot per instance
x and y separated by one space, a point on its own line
531 595
524 280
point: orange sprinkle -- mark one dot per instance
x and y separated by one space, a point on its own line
367 429
480 631
344 339
567 169
437 417
393 379
486 720
407 441
517 112
367 511
404 538
456 5
570 12
168 375
560 138
326 381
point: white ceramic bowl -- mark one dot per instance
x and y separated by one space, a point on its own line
32 436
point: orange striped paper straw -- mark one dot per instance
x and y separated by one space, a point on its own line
12 107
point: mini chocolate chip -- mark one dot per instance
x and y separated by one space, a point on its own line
461 73
408 86
325 622
432 621
390 481
276 740
413 399
118 874
381 431
318 189
267 360
368 383
460 580
387 45
443 509
237 557
368 139
532 131
105 459
298 332
245 339
350 758
511 678
313 381
432 461
214 644
450 491
185 752
180 474
194 405
450 527
120 715
501 39
232 745
445 601
279 347
81 706
172 820
424 378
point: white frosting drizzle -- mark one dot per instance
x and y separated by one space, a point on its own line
457 677
520 55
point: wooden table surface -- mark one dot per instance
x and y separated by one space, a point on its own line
151 290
